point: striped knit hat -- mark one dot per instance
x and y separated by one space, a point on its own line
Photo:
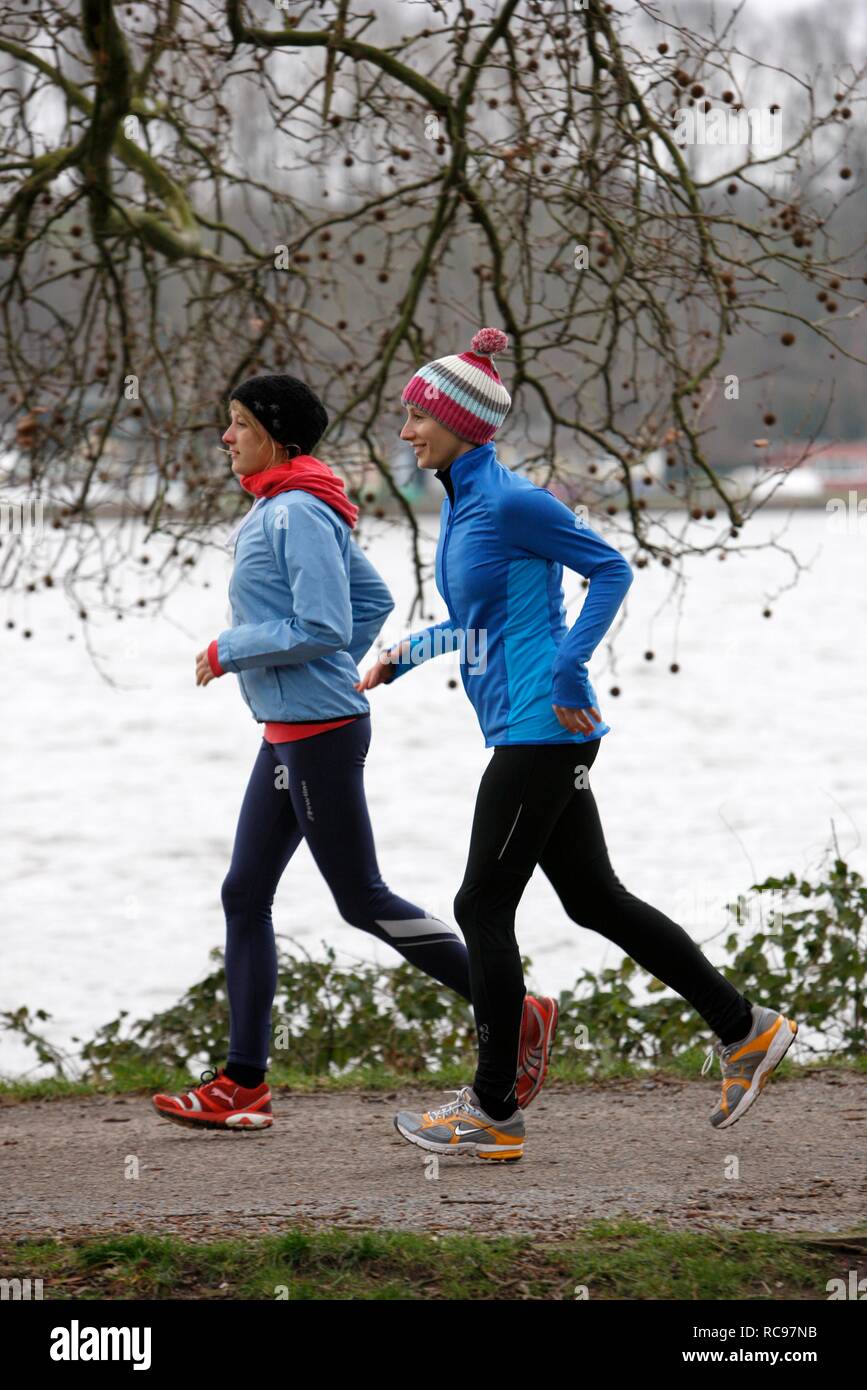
464 392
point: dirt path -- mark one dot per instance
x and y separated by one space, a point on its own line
638 1148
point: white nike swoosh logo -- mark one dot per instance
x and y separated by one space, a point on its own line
472 1130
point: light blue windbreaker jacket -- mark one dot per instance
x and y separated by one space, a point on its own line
306 605
502 546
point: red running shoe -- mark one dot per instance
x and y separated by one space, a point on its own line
219 1104
538 1030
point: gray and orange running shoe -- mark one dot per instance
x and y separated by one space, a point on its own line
538 1031
747 1064
461 1128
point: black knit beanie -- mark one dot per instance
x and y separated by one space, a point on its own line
289 410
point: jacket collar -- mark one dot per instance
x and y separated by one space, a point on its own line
455 478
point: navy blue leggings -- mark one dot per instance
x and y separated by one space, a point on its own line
313 789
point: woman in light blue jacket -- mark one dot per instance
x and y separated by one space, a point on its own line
306 605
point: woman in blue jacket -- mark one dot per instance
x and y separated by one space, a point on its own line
502 547
306 605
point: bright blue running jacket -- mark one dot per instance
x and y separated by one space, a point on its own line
502 546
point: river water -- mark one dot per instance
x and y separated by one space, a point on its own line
120 801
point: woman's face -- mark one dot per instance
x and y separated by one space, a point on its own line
249 453
435 446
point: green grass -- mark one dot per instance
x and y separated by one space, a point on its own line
613 1260
133 1078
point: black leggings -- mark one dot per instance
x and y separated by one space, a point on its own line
529 811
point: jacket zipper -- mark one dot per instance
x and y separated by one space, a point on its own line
445 550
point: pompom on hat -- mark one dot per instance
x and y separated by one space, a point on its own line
464 392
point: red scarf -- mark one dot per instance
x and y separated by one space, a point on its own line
308 473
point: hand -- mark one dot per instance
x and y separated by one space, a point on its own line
577 720
379 674
203 669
